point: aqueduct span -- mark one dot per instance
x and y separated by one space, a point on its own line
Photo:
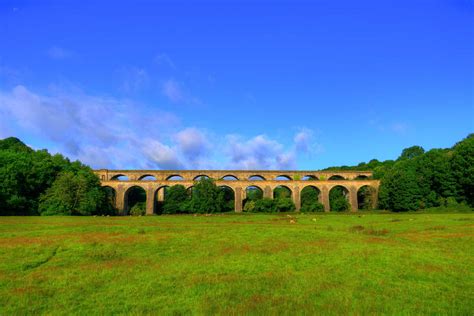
153 183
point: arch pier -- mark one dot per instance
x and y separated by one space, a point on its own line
238 180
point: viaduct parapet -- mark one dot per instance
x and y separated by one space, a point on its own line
153 183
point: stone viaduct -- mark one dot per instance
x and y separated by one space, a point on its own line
154 182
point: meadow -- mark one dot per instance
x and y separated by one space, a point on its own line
238 264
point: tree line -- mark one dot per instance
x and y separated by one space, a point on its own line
418 179
34 182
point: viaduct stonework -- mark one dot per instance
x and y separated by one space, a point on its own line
154 182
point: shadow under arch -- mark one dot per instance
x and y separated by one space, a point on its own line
311 199
366 197
339 199
119 177
256 177
282 191
229 198
134 195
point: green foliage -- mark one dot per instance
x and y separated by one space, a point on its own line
206 197
337 200
176 196
73 193
265 205
419 179
25 175
284 205
411 152
249 206
138 209
365 197
281 192
268 205
309 200
254 194
462 165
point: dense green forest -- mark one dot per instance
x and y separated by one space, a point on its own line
38 183
419 179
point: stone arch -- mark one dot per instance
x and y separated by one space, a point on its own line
366 197
120 177
252 193
257 177
174 177
282 191
147 177
133 195
339 198
311 198
309 177
159 196
283 177
336 177
200 177
229 197
189 191
361 177
229 177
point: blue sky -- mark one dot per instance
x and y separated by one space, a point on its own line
236 84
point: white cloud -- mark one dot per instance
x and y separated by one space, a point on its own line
194 145
164 156
86 127
259 152
172 90
111 133
306 143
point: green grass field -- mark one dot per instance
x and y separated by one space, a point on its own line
238 264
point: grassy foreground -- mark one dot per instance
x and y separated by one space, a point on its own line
238 264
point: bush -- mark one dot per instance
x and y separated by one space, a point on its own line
265 205
249 206
138 209
314 207
284 205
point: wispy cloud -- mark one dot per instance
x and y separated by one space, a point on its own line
172 90
107 132
399 127
56 52
164 60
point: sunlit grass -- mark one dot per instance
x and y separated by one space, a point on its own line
238 264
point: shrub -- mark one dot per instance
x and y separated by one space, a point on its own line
284 205
249 206
265 205
313 207
138 209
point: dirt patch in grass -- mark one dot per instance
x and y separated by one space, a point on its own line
439 227
236 249
378 240
272 248
26 241
376 232
429 268
368 230
356 229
